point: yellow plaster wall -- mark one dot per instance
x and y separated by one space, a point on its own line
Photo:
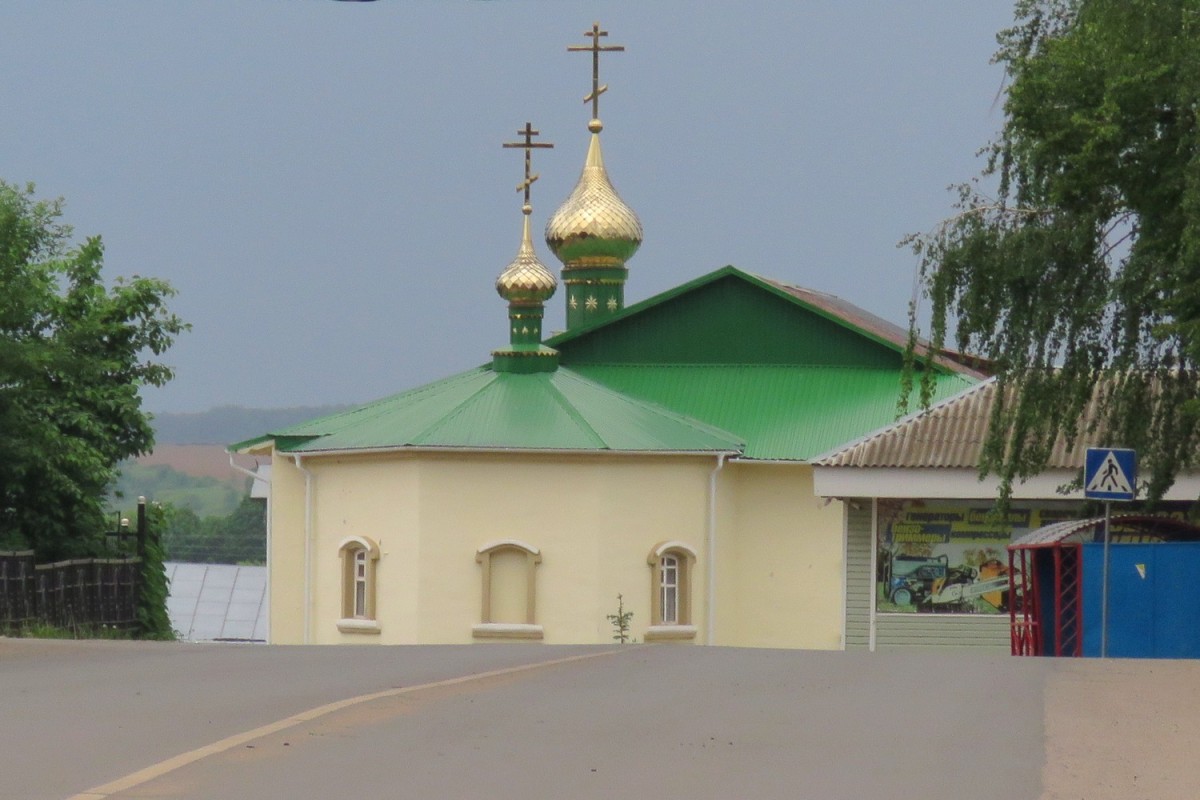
286 567
594 518
781 579
727 591
374 497
510 586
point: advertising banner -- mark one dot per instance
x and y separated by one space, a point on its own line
946 557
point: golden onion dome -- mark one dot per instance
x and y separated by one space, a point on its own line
526 280
594 227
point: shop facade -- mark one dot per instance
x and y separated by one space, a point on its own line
926 552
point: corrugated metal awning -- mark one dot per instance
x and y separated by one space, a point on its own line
950 435
1083 530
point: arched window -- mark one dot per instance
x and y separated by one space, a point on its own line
509 600
359 556
671 566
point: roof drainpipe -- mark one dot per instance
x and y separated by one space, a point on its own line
308 479
256 477
711 613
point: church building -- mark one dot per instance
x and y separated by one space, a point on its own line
654 457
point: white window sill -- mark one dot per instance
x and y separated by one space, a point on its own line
358 625
506 630
666 633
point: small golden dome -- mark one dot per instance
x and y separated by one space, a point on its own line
526 280
594 227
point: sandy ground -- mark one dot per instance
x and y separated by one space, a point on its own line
1122 729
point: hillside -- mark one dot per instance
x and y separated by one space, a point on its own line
227 424
206 495
198 460
189 467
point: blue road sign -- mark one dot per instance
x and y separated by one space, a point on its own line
1110 473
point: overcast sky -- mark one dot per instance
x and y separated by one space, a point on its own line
323 182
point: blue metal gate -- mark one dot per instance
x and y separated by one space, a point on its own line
1154 599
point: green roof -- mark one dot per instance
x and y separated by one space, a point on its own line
729 362
781 412
791 371
482 409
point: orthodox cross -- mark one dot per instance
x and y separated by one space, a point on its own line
596 49
527 146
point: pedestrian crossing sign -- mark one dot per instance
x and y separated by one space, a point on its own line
1110 473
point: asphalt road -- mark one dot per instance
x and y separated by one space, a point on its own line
96 720
648 721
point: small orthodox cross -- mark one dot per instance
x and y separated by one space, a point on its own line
527 146
596 49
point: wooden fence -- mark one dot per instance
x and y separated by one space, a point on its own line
83 593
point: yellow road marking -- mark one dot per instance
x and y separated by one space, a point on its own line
229 742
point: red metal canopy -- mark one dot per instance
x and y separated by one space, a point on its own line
1045 577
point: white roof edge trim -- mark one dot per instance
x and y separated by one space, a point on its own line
306 454
959 483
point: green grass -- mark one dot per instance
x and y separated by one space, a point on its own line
40 630
206 496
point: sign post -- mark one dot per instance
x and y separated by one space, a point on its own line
1104 586
1109 474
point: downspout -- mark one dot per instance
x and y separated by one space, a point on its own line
308 479
255 476
711 615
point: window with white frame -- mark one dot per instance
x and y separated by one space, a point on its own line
668 589
360 585
359 556
671 565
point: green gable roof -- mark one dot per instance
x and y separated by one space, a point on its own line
733 317
791 371
482 409
781 411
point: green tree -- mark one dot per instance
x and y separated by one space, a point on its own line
182 531
245 532
1082 268
73 356
237 538
152 617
